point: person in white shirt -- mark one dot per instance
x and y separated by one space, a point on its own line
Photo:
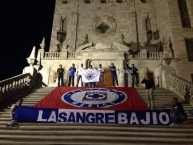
13 108
102 71
91 84
79 77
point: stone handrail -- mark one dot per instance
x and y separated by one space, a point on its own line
52 55
153 55
14 85
178 85
71 54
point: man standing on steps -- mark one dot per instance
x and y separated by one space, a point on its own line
72 71
60 73
134 76
102 71
79 77
113 71
149 86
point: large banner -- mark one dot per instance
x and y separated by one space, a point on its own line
111 98
90 75
142 117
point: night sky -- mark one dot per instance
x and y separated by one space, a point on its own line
23 25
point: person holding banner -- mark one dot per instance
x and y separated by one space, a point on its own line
13 108
149 86
91 84
79 77
178 115
113 71
102 71
72 71
128 72
60 73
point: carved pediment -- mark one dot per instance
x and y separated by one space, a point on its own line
103 47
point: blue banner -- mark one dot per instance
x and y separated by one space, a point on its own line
143 117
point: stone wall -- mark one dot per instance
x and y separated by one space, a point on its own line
120 17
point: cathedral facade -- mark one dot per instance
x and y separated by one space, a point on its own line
155 35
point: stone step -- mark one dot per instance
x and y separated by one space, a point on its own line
73 142
96 138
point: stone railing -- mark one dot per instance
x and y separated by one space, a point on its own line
71 54
179 86
12 86
155 55
149 55
54 55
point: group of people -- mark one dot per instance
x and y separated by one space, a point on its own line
133 71
178 115
72 71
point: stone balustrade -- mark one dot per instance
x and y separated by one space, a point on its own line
61 55
155 55
52 55
71 54
14 85
178 85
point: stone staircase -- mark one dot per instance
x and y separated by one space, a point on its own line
96 134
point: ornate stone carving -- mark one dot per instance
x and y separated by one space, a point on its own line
104 25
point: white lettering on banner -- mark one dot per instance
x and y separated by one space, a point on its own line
40 114
163 115
147 121
103 116
122 118
86 116
154 114
52 117
133 118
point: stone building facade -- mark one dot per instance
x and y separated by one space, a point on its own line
147 33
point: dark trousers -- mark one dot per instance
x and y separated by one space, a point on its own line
78 79
115 80
92 84
71 79
60 80
178 117
135 80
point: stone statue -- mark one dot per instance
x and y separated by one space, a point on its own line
85 39
167 50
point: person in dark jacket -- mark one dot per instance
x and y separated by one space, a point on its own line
113 71
134 75
72 71
60 73
149 86
178 115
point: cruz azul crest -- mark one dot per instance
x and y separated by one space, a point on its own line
94 97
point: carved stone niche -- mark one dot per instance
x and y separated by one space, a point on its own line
64 1
144 1
104 25
87 1
103 1
119 1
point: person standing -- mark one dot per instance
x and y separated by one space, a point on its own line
102 71
91 84
128 72
149 86
113 71
79 77
134 71
72 71
60 73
